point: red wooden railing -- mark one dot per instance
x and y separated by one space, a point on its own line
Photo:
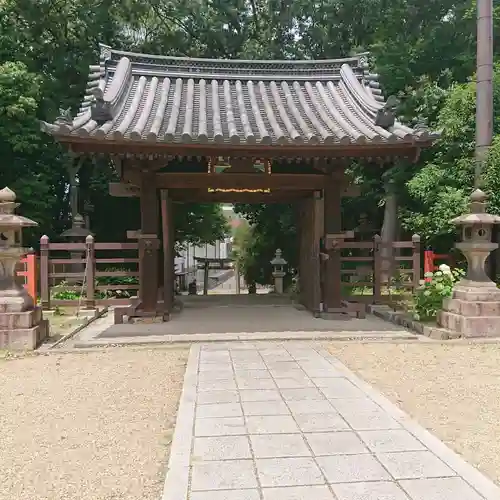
29 274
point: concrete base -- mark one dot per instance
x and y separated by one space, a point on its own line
473 311
22 330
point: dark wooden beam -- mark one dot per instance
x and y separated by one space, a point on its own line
85 145
308 182
199 196
125 190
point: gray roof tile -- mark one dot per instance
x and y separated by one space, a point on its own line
140 97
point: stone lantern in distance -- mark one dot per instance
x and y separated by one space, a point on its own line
474 308
278 273
21 324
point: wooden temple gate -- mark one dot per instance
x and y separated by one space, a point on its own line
286 131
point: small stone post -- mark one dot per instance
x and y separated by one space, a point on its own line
474 308
21 323
278 264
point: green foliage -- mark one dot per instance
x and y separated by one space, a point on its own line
272 227
439 190
429 297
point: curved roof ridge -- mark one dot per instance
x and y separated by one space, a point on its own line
108 51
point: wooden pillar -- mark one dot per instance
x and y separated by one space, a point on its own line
168 243
316 232
148 244
332 225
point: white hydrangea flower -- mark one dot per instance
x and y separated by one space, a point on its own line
445 269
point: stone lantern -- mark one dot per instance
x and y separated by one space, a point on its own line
77 233
474 309
278 273
20 320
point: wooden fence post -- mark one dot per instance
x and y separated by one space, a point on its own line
31 275
90 272
377 269
44 272
416 261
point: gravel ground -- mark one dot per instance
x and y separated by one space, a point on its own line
453 390
91 426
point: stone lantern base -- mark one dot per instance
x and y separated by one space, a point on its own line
20 330
472 311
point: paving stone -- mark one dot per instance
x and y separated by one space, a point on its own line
219 410
288 472
223 475
210 397
304 354
335 443
355 405
256 383
288 373
321 422
279 445
282 365
390 441
214 357
369 491
260 395
280 424
265 408
325 381
303 406
322 372
352 468
309 393
226 495
249 365
298 493
369 420
214 367
206 427
414 464
216 375
342 388
252 374
298 382
450 488
216 385
221 448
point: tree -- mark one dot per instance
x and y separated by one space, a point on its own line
440 189
51 45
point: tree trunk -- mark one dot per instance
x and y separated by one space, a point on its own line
389 231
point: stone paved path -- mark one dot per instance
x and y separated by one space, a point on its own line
271 421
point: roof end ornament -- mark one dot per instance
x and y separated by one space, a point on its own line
386 116
100 109
65 117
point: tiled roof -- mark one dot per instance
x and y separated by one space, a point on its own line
139 97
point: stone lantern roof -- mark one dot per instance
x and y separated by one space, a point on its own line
8 219
477 213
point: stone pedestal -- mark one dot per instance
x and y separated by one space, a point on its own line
472 311
278 281
22 331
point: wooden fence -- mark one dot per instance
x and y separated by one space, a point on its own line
87 276
369 276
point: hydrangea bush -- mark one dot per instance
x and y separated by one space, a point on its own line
436 287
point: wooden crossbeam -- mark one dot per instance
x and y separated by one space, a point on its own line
171 180
126 190
195 195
